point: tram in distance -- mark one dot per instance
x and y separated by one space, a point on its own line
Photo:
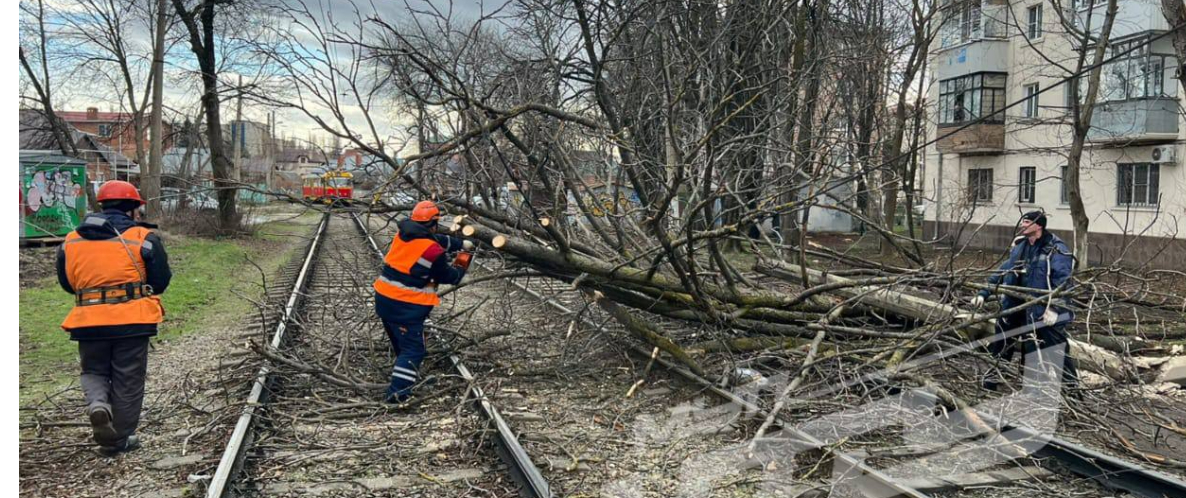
334 187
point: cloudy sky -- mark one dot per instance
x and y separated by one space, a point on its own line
78 86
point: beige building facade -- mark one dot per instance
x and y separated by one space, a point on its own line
1002 108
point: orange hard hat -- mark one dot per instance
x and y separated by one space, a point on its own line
116 190
426 211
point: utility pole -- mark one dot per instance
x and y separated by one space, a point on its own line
152 180
271 151
238 149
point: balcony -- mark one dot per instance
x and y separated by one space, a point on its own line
1132 17
973 39
977 56
983 138
1135 121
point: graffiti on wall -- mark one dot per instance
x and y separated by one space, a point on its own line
54 199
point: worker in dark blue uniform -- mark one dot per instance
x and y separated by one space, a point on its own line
406 290
1041 261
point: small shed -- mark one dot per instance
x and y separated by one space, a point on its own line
53 194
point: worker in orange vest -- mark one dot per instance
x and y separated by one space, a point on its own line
115 267
406 290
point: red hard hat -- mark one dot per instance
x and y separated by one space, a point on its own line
426 211
115 190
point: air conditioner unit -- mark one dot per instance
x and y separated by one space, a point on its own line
1164 154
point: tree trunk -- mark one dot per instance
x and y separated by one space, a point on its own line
1091 358
1082 125
206 56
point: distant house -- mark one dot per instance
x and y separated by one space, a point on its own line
105 163
251 137
300 160
36 132
112 129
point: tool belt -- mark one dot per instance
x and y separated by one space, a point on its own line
114 294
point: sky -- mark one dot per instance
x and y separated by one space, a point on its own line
77 91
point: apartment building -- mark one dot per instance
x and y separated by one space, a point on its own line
1020 57
252 139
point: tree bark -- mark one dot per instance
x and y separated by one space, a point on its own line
1082 125
201 40
1091 358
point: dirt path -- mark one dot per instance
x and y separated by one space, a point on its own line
192 383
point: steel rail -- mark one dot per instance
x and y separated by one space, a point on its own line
229 465
1111 472
851 469
523 470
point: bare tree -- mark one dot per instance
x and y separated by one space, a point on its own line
200 25
1095 46
896 163
107 47
34 28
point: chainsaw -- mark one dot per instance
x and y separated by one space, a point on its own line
465 256
463 259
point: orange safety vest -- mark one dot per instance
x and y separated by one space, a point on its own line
95 264
401 257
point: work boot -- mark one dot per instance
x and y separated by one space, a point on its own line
130 443
101 428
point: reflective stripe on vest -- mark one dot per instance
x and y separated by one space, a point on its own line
402 257
107 263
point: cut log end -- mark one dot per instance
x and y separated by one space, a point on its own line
456 223
468 231
543 222
498 241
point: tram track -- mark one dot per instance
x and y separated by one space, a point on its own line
857 471
312 424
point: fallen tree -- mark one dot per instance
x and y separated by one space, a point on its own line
1091 357
796 315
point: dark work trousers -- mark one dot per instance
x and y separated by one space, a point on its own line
113 374
408 341
1044 337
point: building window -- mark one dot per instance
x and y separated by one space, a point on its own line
1138 184
969 20
1139 74
1027 179
105 130
1063 197
1034 22
1031 100
971 97
1083 4
980 185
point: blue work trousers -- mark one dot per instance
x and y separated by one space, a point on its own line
408 341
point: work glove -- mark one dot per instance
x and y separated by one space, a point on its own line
1050 317
467 245
978 301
